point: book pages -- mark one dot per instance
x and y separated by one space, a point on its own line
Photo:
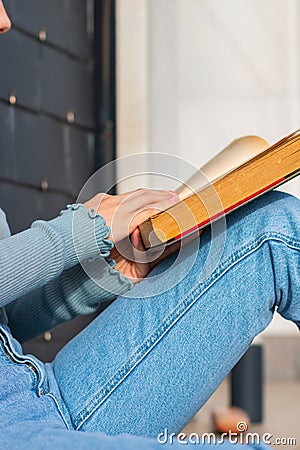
236 153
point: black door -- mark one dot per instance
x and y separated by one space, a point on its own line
56 124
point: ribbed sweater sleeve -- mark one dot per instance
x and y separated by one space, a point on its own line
40 274
73 293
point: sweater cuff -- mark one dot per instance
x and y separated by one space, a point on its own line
83 233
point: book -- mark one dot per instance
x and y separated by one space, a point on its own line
244 170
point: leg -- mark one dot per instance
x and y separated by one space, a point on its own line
149 363
31 420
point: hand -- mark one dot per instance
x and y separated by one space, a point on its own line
123 213
134 268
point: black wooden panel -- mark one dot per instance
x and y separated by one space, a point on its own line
23 205
19 70
44 150
18 202
7 154
81 26
79 148
68 86
31 148
44 79
52 77
65 22
40 141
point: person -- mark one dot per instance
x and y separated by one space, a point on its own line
153 357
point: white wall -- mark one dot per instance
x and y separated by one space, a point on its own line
132 80
195 74
236 76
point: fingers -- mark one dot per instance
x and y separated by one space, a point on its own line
141 217
137 246
136 240
134 201
149 209
142 198
124 212
137 206
164 203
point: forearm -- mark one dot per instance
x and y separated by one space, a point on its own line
31 259
64 298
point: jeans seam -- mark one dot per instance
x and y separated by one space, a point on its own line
52 396
26 364
173 317
14 358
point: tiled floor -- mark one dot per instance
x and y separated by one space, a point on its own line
281 412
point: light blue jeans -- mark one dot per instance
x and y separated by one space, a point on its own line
149 362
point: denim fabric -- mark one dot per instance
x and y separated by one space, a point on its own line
150 361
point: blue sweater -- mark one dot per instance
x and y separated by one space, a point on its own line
42 283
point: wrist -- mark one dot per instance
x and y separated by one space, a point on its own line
83 233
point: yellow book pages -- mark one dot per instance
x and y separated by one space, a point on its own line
234 155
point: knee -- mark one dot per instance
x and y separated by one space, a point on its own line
276 212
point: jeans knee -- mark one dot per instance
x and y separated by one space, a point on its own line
280 212
275 211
